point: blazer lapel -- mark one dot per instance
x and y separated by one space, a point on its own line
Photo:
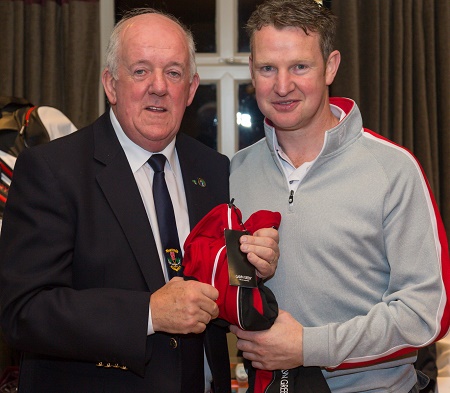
192 168
120 189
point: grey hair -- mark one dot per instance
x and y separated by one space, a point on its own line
112 50
308 15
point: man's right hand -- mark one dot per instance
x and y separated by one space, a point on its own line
182 307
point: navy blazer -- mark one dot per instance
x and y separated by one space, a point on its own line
78 263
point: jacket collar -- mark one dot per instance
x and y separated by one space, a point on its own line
117 183
336 138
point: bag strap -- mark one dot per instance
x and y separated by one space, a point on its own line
26 120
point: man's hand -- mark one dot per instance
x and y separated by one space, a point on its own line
262 251
183 307
279 348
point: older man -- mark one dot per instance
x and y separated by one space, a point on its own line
85 289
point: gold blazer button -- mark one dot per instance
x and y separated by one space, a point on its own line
173 343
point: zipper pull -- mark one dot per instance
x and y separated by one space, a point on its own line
291 197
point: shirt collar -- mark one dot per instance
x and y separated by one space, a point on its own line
136 155
338 112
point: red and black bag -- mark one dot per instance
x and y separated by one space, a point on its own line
24 125
20 125
205 259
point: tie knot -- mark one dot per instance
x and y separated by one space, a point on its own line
157 162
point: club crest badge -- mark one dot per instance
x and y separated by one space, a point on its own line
173 258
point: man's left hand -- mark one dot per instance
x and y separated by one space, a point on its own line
279 348
262 251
